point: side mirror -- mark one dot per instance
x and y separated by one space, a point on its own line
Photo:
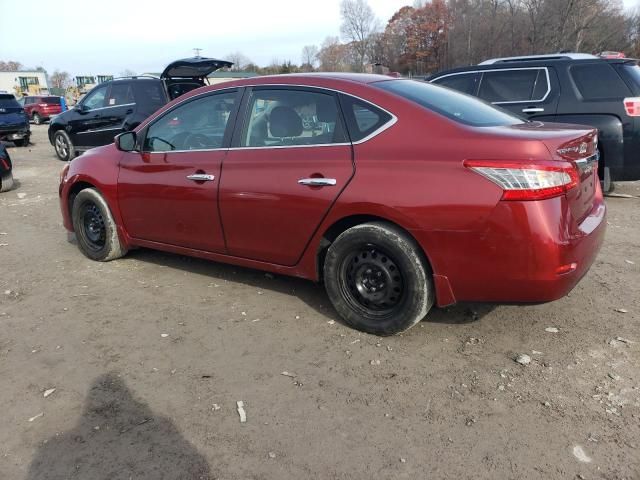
81 108
126 142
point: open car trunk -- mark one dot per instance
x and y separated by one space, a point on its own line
187 74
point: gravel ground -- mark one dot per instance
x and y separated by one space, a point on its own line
148 356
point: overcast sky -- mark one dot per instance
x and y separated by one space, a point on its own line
143 35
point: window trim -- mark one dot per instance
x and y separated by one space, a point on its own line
482 72
229 129
242 88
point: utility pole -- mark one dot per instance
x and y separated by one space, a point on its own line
197 51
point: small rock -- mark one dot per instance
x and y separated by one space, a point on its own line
7 292
627 261
272 455
470 421
536 352
164 335
580 454
523 359
41 414
241 412
613 376
215 407
4 244
287 374
374 362
621 310
331 322
403 460
297 317
551 330
48 392
21 195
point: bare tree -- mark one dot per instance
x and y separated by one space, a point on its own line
358 24
309 57
60 79
10 66
239 60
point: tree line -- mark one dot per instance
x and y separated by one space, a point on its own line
429 36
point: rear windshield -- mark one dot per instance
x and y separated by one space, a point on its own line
50 100
454 105
9 101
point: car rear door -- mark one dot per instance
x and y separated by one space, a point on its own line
119 105
280 180
168 191
530 92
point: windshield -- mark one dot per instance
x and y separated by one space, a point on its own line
9 101
454 105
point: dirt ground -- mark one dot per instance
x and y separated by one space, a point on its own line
148 356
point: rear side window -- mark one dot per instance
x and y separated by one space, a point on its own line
520 85
462 82
51 100
120 94
631 73
148 95
598 81
362 118
453 105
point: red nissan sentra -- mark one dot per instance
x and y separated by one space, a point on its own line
397 194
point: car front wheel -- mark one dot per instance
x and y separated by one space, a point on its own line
377 278
95 229
37 119
64 148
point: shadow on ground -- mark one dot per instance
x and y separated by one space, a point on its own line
311 293
118 437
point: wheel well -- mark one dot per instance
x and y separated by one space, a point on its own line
346 223
75 190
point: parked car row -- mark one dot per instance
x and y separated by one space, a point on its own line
603 92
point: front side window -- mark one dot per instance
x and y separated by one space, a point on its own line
120 94
195 125
462 82
451 104
95 98
520 85
280 117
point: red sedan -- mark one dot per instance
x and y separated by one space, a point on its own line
397 194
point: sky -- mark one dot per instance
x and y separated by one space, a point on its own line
93 38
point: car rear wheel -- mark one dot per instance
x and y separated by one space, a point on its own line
63 145
95 228
6 182
377 278
37 119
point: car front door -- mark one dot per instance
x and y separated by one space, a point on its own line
530 92
281 177
168 191
88 121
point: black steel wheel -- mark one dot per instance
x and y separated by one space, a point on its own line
95 229
378 278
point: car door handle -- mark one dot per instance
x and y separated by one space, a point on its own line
318 182
532 110
201 177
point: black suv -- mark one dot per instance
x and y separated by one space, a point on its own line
568 88
119 105
14 123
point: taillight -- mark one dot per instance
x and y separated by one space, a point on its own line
43 105
632 106
527 181
4 163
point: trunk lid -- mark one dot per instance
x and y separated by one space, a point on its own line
196 68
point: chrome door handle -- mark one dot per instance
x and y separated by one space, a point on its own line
201 177
317 182
532 110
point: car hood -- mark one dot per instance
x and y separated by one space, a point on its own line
196 67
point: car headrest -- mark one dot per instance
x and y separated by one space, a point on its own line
326 111
284 122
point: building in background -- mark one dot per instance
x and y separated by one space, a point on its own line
24 82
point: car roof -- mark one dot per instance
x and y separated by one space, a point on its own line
525 58
311 79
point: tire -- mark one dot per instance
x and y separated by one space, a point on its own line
6 182
607 185
37 119
63 146
377 278
24 142
95 228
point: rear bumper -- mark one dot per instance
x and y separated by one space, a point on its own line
17 133
519 255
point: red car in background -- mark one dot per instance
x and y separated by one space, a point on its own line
399 195
41 108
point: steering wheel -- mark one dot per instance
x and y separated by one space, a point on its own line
195 141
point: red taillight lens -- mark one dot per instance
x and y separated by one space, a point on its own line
527 181
632 106
43 105
4 163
